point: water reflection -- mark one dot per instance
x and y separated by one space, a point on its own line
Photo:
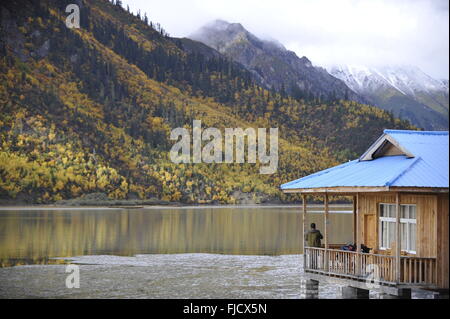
34 236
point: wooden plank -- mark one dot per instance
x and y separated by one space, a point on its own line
442 247
415 270
358 235
430 271
419 189
409 271
350 190
354 219
304 228
326 212
398 237
367 189
326 220
420 270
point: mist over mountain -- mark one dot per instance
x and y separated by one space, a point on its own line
405 90
272 64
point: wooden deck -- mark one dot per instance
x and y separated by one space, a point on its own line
379 269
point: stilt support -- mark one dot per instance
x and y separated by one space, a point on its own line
310 289
402 294
354 293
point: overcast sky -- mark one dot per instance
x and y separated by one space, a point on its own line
359 32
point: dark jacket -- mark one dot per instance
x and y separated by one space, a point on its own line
313 238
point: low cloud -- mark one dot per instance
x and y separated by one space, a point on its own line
375 32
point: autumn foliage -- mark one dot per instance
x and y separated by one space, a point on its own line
94 112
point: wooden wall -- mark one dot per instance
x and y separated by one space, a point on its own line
432 226
442 243
426 244
426 210
368 217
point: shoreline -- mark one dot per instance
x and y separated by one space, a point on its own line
164 207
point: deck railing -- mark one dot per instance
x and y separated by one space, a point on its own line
416 270
380 268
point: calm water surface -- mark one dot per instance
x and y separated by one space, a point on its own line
35 236
221 252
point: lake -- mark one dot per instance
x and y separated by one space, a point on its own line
34 236
162 252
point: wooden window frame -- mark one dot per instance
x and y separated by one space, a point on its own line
406 221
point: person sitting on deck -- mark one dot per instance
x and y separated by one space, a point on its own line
313 237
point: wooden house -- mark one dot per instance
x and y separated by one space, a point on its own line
400 194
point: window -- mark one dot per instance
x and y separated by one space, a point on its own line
387 225
407 227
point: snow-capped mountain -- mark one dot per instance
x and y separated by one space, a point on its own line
408 80
407 91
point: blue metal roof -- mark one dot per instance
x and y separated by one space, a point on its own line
428 168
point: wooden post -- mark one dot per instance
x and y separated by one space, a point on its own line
398 237
358 239
326 230
355 232
304 229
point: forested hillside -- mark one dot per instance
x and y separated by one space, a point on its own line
91 109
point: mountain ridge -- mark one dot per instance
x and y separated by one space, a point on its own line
405 90
274 65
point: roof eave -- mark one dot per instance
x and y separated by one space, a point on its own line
366 189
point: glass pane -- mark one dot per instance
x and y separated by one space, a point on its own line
382 212
383 234
404 236
391 227
412 236
387 210
380 238
392 211
412 211
404 211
